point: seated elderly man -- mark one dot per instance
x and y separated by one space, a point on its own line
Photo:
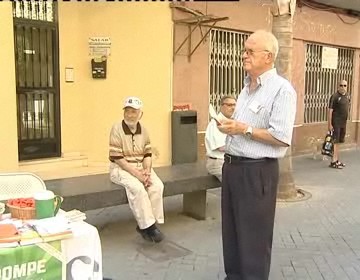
130 167
215 139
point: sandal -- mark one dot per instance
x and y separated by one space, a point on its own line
336 165
340 163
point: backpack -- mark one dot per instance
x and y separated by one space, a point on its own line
328 145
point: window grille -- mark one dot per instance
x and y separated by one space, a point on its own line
226 74
37 115
34 10
35 83
321 83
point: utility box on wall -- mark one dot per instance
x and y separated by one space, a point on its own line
184 136
98 69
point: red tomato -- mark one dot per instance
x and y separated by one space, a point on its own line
22 202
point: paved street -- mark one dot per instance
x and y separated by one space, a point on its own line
315 239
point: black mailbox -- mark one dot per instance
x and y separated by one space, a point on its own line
98 69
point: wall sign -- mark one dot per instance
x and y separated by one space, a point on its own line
329 58
99 46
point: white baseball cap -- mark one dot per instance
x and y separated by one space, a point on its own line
133 102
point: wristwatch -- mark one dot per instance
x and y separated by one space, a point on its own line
249 132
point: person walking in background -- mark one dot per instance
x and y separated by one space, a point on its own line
259 133
215 139
337 116
131 167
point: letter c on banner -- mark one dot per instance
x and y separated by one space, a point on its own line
86 260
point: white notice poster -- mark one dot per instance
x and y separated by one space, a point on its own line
329 58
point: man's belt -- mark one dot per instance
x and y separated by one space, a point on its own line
238 160
130 161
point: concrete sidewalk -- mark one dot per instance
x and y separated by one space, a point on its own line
314 239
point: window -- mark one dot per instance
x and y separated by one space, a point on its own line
226 74
321 83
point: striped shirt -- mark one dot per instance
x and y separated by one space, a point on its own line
133 147
272 105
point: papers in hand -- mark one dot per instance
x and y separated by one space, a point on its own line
213 114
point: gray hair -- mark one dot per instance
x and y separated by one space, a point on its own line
271 43
222 100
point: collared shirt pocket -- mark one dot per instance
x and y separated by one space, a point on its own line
259 116
255 106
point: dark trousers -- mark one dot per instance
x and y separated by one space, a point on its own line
248 200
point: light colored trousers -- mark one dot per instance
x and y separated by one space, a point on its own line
146 204
214 167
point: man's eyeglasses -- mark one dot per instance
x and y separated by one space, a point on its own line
343 85
251 52
229 104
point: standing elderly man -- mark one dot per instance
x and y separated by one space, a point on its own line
131 167
215 139
337 116
259 134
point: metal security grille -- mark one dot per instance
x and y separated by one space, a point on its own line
321 83
37 79
34 10
226 74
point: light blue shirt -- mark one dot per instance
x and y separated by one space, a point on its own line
272 106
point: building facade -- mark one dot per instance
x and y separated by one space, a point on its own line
215 69
56 115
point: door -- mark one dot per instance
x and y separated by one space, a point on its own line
37 79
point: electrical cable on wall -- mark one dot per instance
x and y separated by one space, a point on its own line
337 11
350 23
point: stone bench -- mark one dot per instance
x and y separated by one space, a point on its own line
97 191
